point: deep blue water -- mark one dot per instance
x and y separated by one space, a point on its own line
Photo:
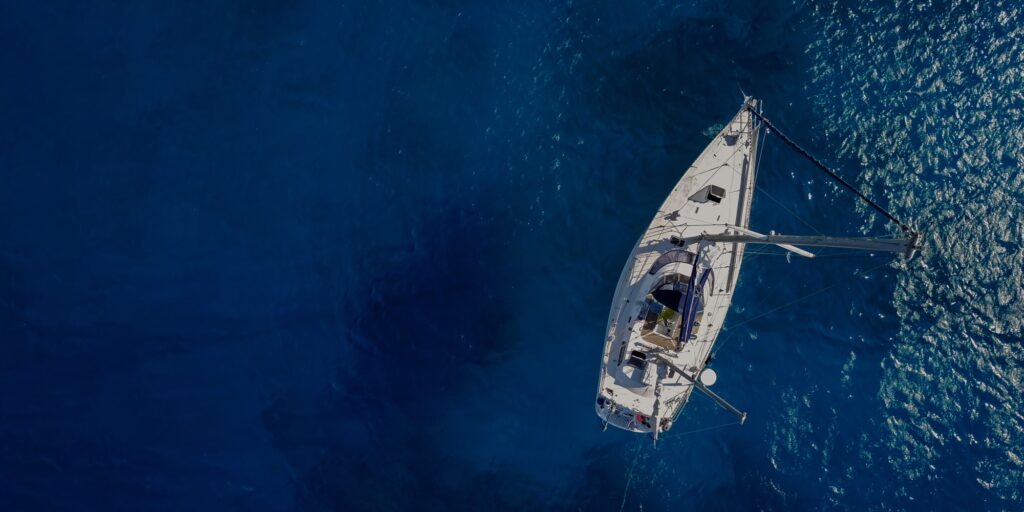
359 255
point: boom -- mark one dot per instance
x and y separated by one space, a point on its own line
695 380
906 246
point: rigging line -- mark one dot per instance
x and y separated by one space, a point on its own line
791 212
705 429
762 142
828 171
844 254
786 305
732 175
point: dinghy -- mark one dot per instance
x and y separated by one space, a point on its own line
671 301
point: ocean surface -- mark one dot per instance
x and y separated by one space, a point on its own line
359 255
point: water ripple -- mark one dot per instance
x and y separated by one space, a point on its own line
939 88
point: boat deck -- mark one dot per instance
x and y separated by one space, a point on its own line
725 169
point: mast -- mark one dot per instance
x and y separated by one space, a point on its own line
906 246
747 180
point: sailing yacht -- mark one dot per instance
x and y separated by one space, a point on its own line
674 293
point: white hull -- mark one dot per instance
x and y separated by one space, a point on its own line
647 396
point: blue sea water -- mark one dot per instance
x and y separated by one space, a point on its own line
279 255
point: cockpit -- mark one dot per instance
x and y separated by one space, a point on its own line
666 315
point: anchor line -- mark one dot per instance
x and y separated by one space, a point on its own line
817 163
